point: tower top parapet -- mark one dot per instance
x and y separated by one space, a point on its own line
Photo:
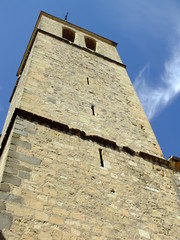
75 35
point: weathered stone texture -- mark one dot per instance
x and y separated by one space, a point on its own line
54 85
55 74
15 101
102 48
5 220
70 196
69 174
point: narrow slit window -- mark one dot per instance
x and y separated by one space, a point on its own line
90 43
87 80
68 34
101 158
93 111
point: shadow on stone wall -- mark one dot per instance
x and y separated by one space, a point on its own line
1 236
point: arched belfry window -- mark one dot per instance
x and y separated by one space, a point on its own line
68 34
90 43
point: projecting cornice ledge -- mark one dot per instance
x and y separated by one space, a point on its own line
172 163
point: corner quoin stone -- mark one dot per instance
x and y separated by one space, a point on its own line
2 206
8 178
4 187
5 220
24 158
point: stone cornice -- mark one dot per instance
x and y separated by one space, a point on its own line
173 163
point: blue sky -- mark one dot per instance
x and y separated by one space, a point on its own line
148 36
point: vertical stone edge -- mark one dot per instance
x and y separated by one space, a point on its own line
12 172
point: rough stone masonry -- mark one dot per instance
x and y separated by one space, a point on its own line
78 157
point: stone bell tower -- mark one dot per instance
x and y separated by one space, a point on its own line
79 159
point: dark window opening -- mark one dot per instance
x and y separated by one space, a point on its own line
101 158
68 34
90 43
93 111
87 80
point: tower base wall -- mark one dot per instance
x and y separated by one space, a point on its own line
58 186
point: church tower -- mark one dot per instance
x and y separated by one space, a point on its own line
78 157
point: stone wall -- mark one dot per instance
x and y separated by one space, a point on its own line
103 46
55 188
16 96
56 87
62 81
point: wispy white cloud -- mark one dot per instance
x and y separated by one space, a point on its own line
147 23
154 99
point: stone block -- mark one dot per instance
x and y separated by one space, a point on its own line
24 175
25 158
78 216
2 206
15 135
44 236
18 167
60 211
4 187
5 220
56 220
20 132
8 178
15 199
10 236
144 234
17 142
50 191
25 126
35 204
12 147
11 170
41 216
28 212
43 198
66 236
4 195
30 129
19 126
72 222
75 232
12 160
